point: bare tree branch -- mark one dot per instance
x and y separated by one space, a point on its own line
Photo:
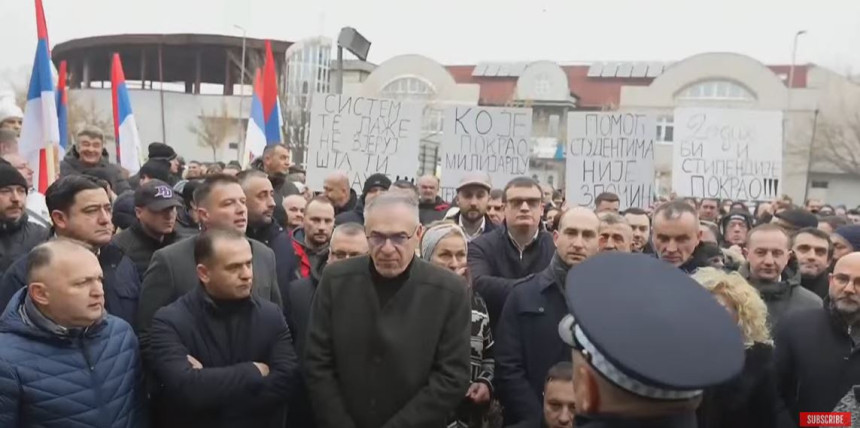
214 129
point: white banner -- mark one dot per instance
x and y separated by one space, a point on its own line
610 152
492 140
727 154
362 136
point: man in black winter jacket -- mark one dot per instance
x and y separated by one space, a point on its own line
817 354
813 253
17 234
347 241
430 206
374 186
89 152
155 207
337 189
221 356
499 259
259 198
676 237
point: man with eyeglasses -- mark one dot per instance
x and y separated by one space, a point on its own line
768 251
816 355
388 338
501 258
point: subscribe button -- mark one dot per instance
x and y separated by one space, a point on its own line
831 419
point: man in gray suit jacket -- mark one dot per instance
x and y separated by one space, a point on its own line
172 272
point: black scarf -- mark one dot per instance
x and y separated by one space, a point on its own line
559 271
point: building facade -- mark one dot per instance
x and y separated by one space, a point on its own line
308 69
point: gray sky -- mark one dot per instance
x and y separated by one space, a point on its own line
469 31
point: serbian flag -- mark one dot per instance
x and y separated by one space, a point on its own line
124 126
40 133
63 109
265 123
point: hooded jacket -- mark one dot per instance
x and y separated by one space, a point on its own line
783 297
428 212
817 361
71 164
18 238
306 256
53 377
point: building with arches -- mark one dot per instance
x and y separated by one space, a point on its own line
724 80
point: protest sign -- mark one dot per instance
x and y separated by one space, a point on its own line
610 152
362 136
727 154
491 140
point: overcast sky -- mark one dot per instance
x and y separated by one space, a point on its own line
469 31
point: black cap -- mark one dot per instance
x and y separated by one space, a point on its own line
649 328
376 180
9 176
798 217
156 195
161 151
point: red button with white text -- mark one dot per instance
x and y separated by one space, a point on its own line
825 419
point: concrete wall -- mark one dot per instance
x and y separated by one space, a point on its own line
180 111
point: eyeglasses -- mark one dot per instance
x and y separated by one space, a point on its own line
376 239
842 280
518 202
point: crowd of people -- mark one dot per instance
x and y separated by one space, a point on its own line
208 295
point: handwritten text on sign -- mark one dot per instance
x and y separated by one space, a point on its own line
727 154
610 152
485 139
362 136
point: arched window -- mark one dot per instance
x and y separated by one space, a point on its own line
416 89
716 90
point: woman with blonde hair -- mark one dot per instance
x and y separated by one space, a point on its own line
750 399
445 244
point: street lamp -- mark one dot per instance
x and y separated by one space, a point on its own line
354 42
793 62
242 87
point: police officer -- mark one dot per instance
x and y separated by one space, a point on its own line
645 362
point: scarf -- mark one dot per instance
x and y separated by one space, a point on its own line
559 270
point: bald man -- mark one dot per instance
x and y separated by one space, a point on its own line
337 189
431 207
295 205
527 342
816 354
57 315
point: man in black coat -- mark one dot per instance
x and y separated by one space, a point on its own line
347 241
499 259
817 355
527 341
338 190
155 207
676 237
81 210
221 356
374 186
220 203
388 342
89 152
430 206
259 198
813 253
124 213
18 235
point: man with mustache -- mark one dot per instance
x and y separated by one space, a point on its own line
816 356
641 225
473 195
221 204
527 343
81 210
260 200
768 251
18 235
310 241
615 233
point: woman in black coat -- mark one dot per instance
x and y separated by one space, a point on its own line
751 398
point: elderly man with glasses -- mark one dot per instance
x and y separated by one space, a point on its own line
388 338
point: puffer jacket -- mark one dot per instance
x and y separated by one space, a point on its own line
121 282
18 238
78 378
71 164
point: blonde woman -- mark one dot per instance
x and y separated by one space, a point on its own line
445 244
751 399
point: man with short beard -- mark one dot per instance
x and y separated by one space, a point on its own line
816 354
527 343
472 199
814 253
641 225
310 242
17 235
260 200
